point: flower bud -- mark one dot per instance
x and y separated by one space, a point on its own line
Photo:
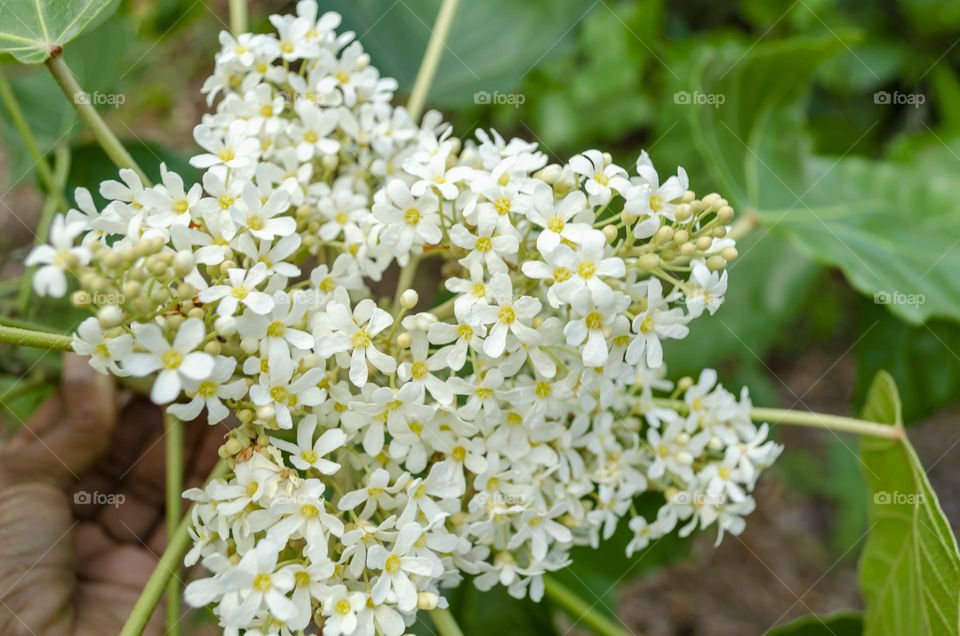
725 214
729 253
716 263
183 262
427 600
685 383
404 340
548 174
610 233
80 298
249 346
409 299
649 261
226 326
109 316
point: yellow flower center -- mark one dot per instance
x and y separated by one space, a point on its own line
262 582
543 389
279 394
309 511
327 285
465 332
254 222
207 389
239 292
459 453
507 315
484 244
276 329
594 320
561 274
502 205
302 578
411 216
555 224
181 206
418 370
586 270
361 340
308 456
392 566
341 218
656 203
171 359
226 201
102 351
342 76
647 325
266 110
226 154
343 607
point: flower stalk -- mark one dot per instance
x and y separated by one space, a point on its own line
238 16
838 423
579 610
23 128
431 58
174 487
38 339
80 101
445 623
167 566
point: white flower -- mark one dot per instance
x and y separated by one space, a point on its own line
567 219
287 393
261 219
211 392
312 133
104 351
651 201
587 266
507 316
339 330
602 177
653 323
241 290
177 362
396 567
58 257
234 150
409 220
705 289
307 453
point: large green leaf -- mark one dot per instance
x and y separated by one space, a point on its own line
492 44
30 29
910 567
890 226
837 624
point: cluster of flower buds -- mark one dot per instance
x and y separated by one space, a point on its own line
384 451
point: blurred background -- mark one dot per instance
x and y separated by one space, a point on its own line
832 127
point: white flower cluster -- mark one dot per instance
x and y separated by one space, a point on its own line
384 453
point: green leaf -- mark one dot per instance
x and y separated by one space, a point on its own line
910 567
844 623
890 226
30 29
496 612
492 44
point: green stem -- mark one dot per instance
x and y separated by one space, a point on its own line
405 279
177 546
51 204
238 16
839 423
90 117
28 338
580 610
174 513
431 58
23 128
445 623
